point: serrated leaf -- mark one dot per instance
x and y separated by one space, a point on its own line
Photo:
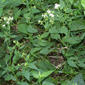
34 50
74 39
78 80
22 28
26 74
53 30
45 51
62 3
10 77
48 81
43 43
72 62
31 29
44 69
44 75
55 36
33 66
81 63
16 56
44 35
77 25
35 10
63 30
12 3
17 13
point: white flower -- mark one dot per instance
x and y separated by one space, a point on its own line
39 21
5 18
57 6
44 15
3 25
10 18
52 15
8 22
48 11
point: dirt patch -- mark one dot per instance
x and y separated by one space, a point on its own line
56 61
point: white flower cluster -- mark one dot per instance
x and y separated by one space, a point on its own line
57 6
7 20
40 22
3 25
50 13
44 15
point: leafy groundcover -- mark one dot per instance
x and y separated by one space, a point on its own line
42 42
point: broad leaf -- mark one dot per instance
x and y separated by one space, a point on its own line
77 25
83 3
31 29
26 74
22 28
78 79
72 62
44 69
22 83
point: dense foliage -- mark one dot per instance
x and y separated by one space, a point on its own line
42 42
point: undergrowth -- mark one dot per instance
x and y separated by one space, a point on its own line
42 42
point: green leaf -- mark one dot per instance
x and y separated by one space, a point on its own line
26 74
45 51
62 4
12 3
71 61
1 34
71 1
78 80
1 11
81 63
30 29
35 10
53 30
48 81
22 83
74 39
43 43
44 69
63 30
44 35
54 33
33 66
26 29
17 13
55 36
10 77
22 28
67 82
34 50
16 56
77 25
44 75
83 3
